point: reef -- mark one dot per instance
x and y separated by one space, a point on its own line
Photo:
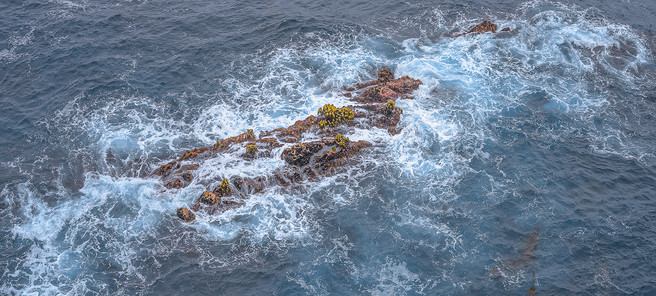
374 107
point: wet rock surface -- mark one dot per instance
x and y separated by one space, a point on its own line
185 214
484 27
374 107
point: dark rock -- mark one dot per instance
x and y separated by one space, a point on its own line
385 75
187 176
300 154
175 184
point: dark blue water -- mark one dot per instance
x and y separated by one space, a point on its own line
551 126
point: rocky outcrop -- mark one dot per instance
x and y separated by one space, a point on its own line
483 27
374 107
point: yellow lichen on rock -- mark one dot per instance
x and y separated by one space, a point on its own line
251 149
342 141
390 106
223 189
334 116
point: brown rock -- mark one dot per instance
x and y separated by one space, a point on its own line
166 169
185 214
378 94
483 27
293 133
300 154
385 75
209 198
404 85
189 154
224 144
175 184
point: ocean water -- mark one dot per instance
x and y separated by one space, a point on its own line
549 126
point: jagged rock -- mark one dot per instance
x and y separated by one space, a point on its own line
335 157
483 27
224 144
255 185
189 167
389 90
189 154
209 198
185 214
166 169
384 75
378 94
385 116
175 184
299 154
403 85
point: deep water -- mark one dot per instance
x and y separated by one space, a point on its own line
550 126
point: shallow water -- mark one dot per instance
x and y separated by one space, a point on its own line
550 126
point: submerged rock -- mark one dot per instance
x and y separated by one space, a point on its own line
304 161
510 266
